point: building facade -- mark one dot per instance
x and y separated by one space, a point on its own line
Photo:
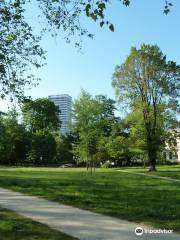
172 152
64 103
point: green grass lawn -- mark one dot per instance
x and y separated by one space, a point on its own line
164 171
15 227
124 195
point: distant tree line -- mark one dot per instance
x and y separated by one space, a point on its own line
35 140
146 84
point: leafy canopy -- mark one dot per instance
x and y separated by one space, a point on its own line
146 80
20 49
93 120
40 114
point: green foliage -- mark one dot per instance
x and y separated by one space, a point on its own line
20 146
86 113
93 119
42 148
117 147
20 51
137 136
167 7
14 140
146 80
40 114
107 117
63 149
102 154
41 120
37 140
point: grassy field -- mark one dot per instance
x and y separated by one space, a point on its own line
163 171
15 227
124 195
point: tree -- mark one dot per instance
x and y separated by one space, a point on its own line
136 136
107 116
166 126
86 114
42 148
118 147
19 50
3 142
40 114
148 81
63 149
41 119
102 154
93 120
34 141
14 140
19 47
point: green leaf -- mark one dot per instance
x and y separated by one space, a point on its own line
111 27
101 23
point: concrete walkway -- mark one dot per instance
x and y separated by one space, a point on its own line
81 224
151 175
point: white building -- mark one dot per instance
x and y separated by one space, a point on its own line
64 102
172 151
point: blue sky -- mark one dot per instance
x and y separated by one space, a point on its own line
67 71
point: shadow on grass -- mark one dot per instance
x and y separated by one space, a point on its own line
127 196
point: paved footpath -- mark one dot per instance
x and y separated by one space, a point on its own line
81 224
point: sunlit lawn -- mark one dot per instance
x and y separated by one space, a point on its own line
164 171
15 227
124 195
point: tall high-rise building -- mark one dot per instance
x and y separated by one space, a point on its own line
64 102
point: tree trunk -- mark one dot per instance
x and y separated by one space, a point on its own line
152 150
87 165
152 157
91 166
152 167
